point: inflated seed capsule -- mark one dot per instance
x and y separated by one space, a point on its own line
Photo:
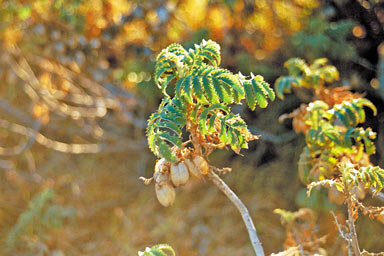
201 164
161 175
165 194
179 174
159 164
161 178
192 168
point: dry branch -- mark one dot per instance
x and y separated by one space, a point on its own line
258 248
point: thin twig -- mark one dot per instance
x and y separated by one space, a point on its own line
352 230
74 148
341 232
301 249
258 248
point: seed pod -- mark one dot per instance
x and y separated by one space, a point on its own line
165 194
161 178
192 168
179 174
161 175
201 164
160 164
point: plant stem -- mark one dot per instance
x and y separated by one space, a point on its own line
257 247
352 230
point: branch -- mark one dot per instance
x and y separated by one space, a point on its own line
352 230
343 234
258 248
86 148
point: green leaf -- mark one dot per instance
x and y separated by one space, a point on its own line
359 111
172 139
260 93
187 87
170 125
166 125
223 95
343 118
233 139
211 124
318 63
232 82
209 57
284 84
364 102
165 247
296 66
371 176
213 49
198 90
193 115
223 133
351 114
329 73
159 72
204 117
369 146
333 135
156 252
203 121
302 75
249 95
165 84
165 151
209 90
347 137
268 89
179 86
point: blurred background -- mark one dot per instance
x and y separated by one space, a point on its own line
76 91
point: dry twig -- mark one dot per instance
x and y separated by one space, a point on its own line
257 247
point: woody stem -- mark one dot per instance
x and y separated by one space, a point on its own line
352 229
257 246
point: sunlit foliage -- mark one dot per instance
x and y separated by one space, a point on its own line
202 95
337 150
312 76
